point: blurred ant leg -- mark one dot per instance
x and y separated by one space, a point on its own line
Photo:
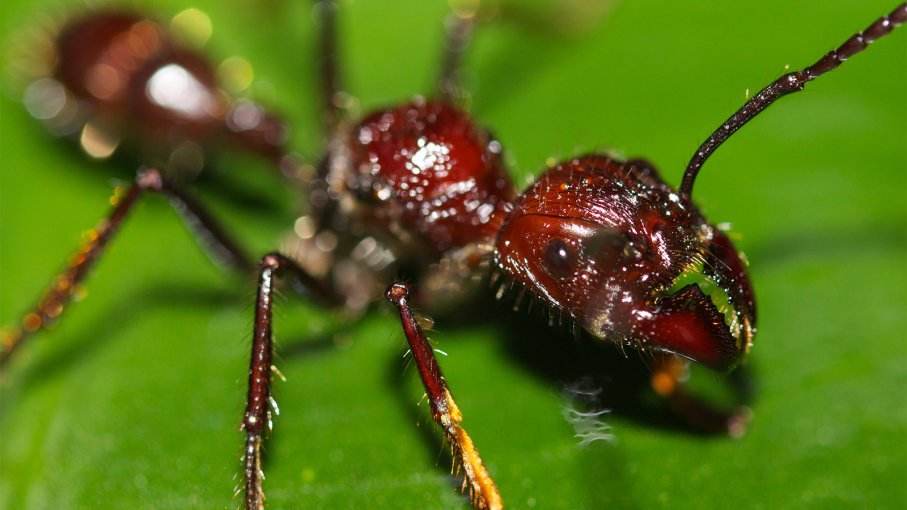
211 236
329 69
458 28
209 233
461 23
318 188
257 415
667 381
476 480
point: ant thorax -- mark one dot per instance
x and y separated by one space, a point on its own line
417 189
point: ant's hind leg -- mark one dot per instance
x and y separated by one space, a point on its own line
477 482
209 233
668 381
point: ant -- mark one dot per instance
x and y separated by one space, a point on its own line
419 188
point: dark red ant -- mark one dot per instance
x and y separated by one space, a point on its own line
419 187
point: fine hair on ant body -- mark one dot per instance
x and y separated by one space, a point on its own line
420 189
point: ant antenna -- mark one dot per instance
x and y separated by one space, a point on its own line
786 84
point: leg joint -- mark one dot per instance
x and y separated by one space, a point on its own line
397 293
150 179
272 261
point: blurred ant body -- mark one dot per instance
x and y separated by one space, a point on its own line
117 77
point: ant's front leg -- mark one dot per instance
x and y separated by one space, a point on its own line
668 381
257 416
476 480
209 233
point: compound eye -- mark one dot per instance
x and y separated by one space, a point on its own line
560 259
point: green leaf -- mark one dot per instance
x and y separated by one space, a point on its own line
134 399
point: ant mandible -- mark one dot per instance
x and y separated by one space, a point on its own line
420 187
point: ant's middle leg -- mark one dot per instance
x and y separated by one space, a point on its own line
210 234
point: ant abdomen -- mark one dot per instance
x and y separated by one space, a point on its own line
116 76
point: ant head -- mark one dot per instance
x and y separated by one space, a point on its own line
630 260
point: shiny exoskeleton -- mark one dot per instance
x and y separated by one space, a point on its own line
419 187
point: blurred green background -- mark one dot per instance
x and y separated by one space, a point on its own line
134 400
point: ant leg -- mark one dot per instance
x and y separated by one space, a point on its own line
329 70
667 377
458 28
210 235
258 399
460 25
476 479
